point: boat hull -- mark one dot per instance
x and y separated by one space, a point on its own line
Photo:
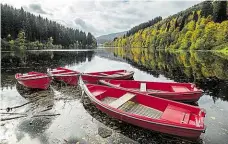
95 79
71 80
65 75
191 134
41 82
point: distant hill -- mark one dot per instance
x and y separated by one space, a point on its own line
104 38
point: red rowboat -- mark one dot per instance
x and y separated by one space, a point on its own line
34 80
149 112
66 75
71 76
94 77
186 92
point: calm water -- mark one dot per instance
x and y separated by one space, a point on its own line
80 122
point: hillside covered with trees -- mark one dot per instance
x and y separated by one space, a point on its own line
201 27
21 29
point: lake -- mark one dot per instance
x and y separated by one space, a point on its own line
74 119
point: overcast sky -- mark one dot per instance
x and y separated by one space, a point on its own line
101 17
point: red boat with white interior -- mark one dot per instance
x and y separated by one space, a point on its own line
65 75
34 80
94 77
149 112
71 77
186 92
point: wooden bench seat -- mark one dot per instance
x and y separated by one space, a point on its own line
175 114
70 72
30 75
122 100
56 70
180 89
122 73
114 75
143 87
104 74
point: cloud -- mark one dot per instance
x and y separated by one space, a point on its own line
83 25
37 8
80 22
102 17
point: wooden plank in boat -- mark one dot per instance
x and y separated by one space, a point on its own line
122 100
175 114
104 74
70 72
143 87
142 110
115 75
29 75
180 89
122 73
56 70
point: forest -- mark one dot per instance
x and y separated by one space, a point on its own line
23 30
201 27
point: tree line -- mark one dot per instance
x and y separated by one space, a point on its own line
203 26
17 22
143 25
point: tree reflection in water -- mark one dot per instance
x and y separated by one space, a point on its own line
207 69
35 128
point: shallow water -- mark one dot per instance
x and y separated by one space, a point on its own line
80 121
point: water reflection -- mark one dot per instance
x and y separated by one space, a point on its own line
207 69
42 59
13 62
35 128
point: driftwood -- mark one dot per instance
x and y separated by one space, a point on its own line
11 118
12 113
15 107
46 109
45 115
25 115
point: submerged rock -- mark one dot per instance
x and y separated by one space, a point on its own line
104 132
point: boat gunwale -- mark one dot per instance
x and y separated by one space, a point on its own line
130 74
31 78
63 75
199 91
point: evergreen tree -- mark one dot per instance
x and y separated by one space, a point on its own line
183 22
219 11
195 16
207 8
89 38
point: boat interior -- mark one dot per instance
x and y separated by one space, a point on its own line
153 86
30 75
109 73
63 71
145 107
